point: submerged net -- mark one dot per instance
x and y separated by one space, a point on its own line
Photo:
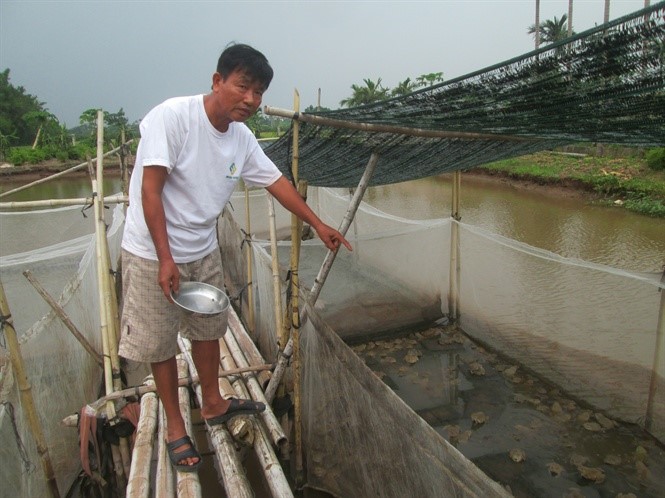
528 304
606 84
62 375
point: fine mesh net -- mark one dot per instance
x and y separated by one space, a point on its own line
63 377
606 84
529 304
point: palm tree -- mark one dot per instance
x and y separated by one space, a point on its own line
404 88
38 119
371 92
536 26
429 79
551 30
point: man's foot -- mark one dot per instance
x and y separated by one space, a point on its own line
186 452
237 407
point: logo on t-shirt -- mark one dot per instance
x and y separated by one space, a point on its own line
232 171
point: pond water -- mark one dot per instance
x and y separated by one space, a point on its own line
548 219
564 224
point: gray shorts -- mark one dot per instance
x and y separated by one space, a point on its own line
150 323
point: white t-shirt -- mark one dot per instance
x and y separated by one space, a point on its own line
204 166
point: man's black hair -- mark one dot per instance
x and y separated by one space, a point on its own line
247 59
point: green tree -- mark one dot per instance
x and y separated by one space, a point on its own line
404 88
117 124
425 80
552 30
39 119
371 92
88 119
15 104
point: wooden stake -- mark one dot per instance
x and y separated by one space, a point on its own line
296 230
453 293
262 446
398 130
164 482
657 358
124 168
64 317
276 281
138 484
248 255
80 201
25 392
107 327
272 424
188 483
323 272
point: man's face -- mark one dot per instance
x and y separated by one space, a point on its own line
238 96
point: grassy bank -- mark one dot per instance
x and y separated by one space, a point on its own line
623 182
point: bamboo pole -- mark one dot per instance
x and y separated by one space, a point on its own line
111 363
234 479
248 252
138 484
657 358
276 283
262 446
453 295
25 392
64 317
398 130
57 175
124 168
295 336
294 322
144 389
272 424
323 272
108 372
80 201
249 348
188 483
111 301
164 482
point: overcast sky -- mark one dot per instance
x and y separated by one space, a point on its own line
76 55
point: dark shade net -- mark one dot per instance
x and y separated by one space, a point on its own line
604 85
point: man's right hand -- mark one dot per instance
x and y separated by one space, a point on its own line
169 278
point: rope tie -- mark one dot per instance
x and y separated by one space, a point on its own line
87 206
23 453
4 319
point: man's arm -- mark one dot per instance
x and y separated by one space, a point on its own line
154 178
288 196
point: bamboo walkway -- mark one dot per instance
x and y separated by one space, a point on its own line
151 472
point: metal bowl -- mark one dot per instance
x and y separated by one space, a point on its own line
198 297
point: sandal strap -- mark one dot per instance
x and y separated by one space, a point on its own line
180 442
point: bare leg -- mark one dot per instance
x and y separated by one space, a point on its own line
165 374
206 360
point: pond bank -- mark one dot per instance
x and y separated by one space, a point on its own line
624 182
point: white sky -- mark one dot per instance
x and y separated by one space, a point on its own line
76 55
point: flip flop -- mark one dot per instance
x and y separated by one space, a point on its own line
190 452
237 407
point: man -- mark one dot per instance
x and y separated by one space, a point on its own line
192 152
